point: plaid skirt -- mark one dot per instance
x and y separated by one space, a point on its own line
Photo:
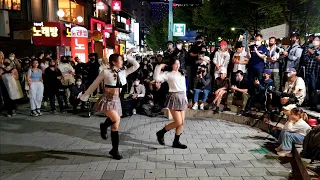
107 102
177 101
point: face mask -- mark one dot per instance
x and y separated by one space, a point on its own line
78 83
6 63
179 46
136 83
279 45
311 45
258 43
316 43
50 65
11 58
170 46
293 41
237 79
65 61
145 62
92 59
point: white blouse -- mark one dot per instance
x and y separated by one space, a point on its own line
176 81
107 76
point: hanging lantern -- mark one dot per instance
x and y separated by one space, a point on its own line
97 35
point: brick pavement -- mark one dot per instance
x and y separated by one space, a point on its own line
69 147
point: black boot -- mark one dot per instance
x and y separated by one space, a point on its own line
115 144
103 128
160 136
177 144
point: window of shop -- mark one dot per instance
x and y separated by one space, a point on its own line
72 11
10 4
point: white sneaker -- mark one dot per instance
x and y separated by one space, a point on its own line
195 107
201 106
134 111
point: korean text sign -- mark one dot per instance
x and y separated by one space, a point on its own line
79 43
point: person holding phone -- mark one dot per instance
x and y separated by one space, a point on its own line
176 101
109 103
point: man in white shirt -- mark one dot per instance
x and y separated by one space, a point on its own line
273 61
221 58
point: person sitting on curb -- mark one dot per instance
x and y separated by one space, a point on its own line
222 86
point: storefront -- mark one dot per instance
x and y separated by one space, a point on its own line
53 34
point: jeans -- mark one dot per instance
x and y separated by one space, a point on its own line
311 83
204 97
53 99
287 138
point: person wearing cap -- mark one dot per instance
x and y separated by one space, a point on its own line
239 60
240 92
221 58
294 86
202 84
222 85
261 94
258 54
294 53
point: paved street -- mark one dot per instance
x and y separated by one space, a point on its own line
66 146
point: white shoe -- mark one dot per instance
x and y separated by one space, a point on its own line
134 111
202 106
195 107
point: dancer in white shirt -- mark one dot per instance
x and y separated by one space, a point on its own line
113 78
176 102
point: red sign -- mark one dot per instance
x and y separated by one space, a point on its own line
79 43
109 27
116 6
51 34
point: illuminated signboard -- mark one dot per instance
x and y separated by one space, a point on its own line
40 30
116 6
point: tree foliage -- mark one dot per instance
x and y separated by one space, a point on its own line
156 39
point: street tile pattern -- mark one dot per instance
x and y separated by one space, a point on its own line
56 147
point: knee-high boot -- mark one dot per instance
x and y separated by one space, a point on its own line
115 145
176 143
103 128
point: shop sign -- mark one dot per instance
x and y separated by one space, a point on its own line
39 30
280 31
179 29
100 6
116 6
123 36
109 27
68 27
79 43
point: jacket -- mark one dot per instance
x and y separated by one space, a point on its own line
293 59
204 82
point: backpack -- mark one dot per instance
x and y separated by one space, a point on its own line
147 109
311 145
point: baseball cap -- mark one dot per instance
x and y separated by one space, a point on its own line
223 70
206 58
267 71
223 43
289 107
291 70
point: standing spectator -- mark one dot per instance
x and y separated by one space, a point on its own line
40 55
43 66
80 67
312 67
93 69
273 61
194 52
240 92
240 61
34 78
168 54
67 77
202 84
74 95
15 62
257 54
10 88
52 84
221 58
181 54
293 54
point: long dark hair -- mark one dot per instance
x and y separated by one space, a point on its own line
172 61
113 58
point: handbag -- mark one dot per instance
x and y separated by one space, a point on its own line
13 86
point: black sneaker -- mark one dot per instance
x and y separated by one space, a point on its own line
226 109
240 113
179 145
216 110
115 154
54 112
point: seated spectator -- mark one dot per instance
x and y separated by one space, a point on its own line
222 85
293 131
261 94
294 90
137 93
202 84
74 94
240 92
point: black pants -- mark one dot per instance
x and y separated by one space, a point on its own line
9 104
52 97
75 102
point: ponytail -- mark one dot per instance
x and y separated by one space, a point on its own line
299 112
304 116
